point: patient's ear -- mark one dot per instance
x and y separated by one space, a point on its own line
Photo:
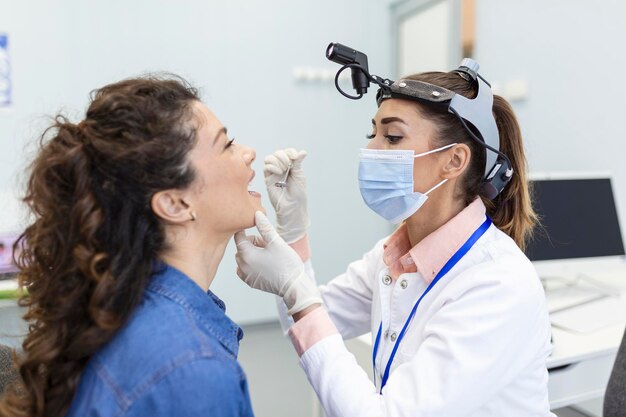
170 206
458 160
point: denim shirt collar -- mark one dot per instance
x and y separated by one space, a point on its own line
209 312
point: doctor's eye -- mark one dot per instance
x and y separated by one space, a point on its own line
393 139
370 136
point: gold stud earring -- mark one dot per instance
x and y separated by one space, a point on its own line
193 216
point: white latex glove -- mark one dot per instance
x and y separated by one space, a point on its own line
269 264
292 219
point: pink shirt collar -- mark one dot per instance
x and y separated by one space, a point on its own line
431 254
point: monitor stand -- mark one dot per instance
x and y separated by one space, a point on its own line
584 304
563 292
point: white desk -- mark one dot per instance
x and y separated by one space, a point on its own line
580 364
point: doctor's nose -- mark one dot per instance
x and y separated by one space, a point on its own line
375 143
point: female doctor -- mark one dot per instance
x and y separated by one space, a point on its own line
456 310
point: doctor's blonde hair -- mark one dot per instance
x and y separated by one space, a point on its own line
512 210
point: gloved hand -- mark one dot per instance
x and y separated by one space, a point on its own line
292 219
269 264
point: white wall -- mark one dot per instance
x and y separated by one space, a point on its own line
243 55
424 39
571 53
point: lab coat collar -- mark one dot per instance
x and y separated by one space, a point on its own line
432 253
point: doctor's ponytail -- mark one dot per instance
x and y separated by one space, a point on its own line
511 211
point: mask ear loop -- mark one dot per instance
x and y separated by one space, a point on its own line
436 186
443 148
433 151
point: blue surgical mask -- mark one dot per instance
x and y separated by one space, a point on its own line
386 182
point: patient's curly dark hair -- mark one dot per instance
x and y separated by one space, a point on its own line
89 252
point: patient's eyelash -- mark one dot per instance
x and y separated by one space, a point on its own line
370 136
230 142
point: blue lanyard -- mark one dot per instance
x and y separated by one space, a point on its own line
447 267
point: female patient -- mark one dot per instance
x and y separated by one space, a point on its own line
132 210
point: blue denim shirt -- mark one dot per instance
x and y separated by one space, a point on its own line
176 356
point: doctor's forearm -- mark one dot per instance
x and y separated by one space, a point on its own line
300 314
312 325
301 246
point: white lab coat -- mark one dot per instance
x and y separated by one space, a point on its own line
477 345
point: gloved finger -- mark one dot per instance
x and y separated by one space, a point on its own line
249 241
295 155
271 169
299 157
271 160
276 164
279 159
291 153
241 240
241 264
257 241
265 228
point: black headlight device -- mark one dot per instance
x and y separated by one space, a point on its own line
476 115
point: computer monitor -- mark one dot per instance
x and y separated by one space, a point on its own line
578 219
